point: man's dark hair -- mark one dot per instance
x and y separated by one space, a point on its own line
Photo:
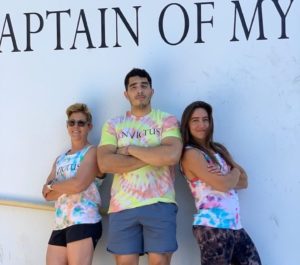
137 72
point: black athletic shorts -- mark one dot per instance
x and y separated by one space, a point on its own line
76 232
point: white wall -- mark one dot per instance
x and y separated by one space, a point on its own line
252 84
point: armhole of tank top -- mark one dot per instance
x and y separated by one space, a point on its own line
206 157
84 151
195 178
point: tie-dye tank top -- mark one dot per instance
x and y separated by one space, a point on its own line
149 184
79 208
215 208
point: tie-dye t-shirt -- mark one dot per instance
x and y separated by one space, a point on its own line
79 208
149 184
215 208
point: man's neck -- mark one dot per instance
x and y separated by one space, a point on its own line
140 112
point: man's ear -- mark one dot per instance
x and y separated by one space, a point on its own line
125 94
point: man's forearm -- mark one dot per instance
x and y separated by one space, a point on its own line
162 155
116 163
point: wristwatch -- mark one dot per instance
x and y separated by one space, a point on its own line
49 184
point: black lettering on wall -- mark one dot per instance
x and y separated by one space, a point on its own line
103 36
10 35
85 31
29 31
246 22
200 21
247 31
135 36
58 25
161 24
283 18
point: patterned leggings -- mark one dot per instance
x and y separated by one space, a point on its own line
225 246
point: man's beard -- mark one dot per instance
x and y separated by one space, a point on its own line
144 105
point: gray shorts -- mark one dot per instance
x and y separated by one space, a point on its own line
145 229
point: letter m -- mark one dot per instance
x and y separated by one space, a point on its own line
247 30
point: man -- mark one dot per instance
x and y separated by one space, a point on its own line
141 148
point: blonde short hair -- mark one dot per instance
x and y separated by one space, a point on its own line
79 107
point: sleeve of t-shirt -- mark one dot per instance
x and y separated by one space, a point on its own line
170 127
108 134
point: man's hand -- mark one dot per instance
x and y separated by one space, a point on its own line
123 150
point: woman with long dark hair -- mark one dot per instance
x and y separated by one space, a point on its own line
213 177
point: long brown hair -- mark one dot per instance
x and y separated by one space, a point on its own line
188 139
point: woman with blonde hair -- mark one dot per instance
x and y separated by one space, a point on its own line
71 183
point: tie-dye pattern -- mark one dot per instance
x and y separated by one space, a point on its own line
79 208
215 208
149 184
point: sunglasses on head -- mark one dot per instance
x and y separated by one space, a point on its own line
79 123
